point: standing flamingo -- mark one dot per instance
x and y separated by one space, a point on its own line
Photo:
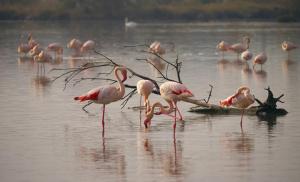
106 94
144 88
36 50
88 46
240 47
288 46
172 92
241 99
75 44
23 49
56 48
260 59
156 48
247 55
223 47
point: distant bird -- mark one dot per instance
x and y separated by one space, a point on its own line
108 93
288 46
88 46
247 55
31 41
36 50
240 47
223 47
42 57
56 48
75 44
172 92
241 99
260 59
23 49
130 23
156 48
144 89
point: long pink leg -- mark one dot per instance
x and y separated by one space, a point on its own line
103 112
174 125
180 116
140 110
242 118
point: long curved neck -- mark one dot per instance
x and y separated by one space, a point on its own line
121 85
150 113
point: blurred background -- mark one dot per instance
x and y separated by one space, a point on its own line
203 10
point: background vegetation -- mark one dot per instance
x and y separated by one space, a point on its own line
280 10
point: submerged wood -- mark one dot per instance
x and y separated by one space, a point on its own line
269 107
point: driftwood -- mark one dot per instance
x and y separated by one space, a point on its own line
269 107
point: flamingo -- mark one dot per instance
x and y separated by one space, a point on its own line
288 46
223 47
156 48
240 47
56 48
42 57
36 50
76 45
247 55
241 99
88 46
130 23
106 94
144 88
260 59
31 41
172 92
23 49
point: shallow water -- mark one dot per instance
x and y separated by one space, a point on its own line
45 136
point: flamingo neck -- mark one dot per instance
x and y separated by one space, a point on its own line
149 115
121 85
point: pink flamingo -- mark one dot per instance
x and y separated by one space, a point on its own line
156 48
76 45
260 59
240 47
56 48
172 92
88 46
42 57
223 47
144 88
106 94
31 41
288 46
23 49
247 55
36 50
241 99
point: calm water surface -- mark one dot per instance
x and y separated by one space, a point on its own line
45 136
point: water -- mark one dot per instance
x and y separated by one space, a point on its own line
45 136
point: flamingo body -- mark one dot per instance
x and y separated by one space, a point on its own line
36 50
144 88
240 47
288 46
156 48
88 46
24 48
55 47
74 44
260 59
247 55
173 91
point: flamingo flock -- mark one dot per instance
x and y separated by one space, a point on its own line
170 91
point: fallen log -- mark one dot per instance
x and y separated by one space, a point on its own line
269 107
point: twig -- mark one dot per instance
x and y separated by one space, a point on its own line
83 108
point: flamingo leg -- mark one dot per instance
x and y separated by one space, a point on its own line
103 112
140 110
241 123
180 116
174 125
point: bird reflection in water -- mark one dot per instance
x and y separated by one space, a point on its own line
260 75
270 119
287 64
170 161
41 83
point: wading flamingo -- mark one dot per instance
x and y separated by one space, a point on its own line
223 47
31 41
87 47
241 99
156 48
75 44
56 48
172 92
23 49
247 55
260 59
288 46
106 94
240 47
36 50
144 88
43 57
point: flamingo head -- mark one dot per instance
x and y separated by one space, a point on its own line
226 102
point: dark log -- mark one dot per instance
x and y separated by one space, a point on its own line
269 107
